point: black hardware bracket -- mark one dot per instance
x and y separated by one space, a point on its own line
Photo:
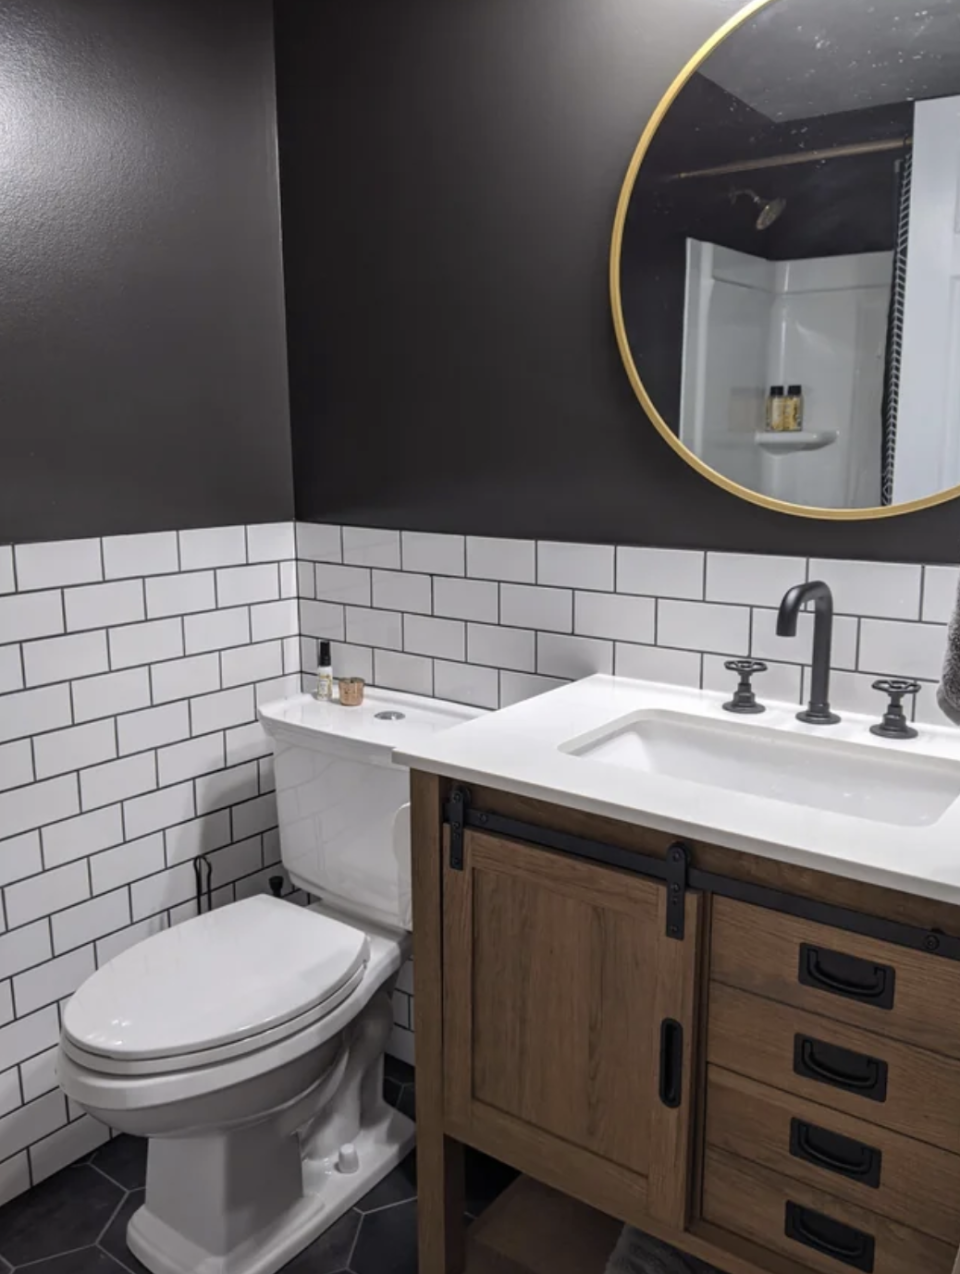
678 870
456 813
461 815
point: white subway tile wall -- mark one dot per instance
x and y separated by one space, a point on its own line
131 669
129 674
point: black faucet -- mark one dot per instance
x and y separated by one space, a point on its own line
818 710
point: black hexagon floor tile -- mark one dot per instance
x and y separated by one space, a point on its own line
398 1187
407 1102
114 1240
124 1160
331 1253
88 1260
387 1242
76 1222
63 1213
400 1072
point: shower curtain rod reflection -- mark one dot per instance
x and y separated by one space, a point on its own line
799 157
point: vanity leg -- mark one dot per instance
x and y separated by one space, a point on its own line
441 1230
440 1182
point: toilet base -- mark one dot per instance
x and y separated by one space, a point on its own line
326 1195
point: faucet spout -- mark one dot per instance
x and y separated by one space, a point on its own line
818 710
790 609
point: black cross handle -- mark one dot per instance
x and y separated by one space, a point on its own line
894 724
744 700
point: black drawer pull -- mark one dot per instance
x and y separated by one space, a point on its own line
840 974
840 1068
845 1244
843 1155
671 1063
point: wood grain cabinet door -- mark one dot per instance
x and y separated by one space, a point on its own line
568 1024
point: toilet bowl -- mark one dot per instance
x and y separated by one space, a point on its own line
247 1044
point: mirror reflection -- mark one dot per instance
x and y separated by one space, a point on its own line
789 271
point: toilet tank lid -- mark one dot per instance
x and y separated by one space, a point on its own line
386 720
218 978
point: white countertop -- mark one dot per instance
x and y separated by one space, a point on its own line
519 750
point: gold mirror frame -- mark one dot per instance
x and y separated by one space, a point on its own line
626 193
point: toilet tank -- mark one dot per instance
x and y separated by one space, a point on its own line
343 806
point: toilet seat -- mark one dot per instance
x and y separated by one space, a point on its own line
221 986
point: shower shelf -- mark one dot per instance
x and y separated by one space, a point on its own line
779 443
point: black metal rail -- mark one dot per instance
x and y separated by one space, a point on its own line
679 876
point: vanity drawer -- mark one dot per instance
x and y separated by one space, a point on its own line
880 1170
892 990
880 1081
813 1227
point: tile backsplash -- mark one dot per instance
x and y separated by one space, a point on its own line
493 621
131 668
130 672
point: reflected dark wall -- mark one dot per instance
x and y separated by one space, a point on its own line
833 207
142 366
449 175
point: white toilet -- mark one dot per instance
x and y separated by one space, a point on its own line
248 1043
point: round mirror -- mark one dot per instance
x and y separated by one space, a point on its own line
786 257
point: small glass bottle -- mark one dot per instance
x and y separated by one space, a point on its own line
775 409
324 690
793 409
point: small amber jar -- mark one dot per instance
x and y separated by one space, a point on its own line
351 691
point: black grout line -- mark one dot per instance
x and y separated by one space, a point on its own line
122 1200
116 1260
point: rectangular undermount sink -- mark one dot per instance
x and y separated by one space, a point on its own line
862 781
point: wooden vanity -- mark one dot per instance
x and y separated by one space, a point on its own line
756 1062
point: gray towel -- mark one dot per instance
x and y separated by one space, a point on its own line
638 1253
948 692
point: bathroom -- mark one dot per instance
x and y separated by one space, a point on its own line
344 324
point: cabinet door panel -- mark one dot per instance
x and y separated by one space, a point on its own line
557 977
562 1010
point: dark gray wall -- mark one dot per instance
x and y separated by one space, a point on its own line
449 176
142 364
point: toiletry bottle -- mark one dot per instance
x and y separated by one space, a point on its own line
775 409
793 408
324 672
